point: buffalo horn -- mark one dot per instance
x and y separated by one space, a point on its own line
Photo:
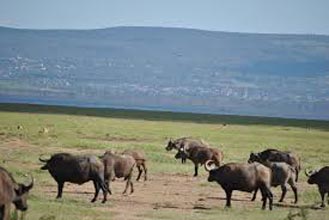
308 173
209 165
43 160
28 187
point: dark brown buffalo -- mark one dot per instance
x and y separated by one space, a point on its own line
282 175
140 159
243 177
275 155
199 155
118 166
64 167
185 142
12 192
320 178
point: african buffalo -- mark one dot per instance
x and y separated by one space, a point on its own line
320 178
118 166
185 142
199 155
275 155
282 174
140 159
243 177
12 192
64 167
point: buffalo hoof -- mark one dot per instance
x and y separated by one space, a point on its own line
104 201
93 200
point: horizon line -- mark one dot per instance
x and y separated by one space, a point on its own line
164 27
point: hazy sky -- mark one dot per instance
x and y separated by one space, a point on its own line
266 16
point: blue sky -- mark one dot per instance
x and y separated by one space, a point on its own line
258 16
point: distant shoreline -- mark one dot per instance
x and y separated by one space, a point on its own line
158 115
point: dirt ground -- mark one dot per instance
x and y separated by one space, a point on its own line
163 191
182 193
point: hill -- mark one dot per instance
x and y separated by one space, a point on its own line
168 69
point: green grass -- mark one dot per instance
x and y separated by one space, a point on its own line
95 130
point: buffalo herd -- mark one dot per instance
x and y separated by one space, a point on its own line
263 170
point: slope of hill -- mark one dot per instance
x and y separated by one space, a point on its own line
168 69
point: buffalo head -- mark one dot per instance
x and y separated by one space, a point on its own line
253 158
312 177
211 167
171 145
21 194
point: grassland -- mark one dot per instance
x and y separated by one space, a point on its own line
172 192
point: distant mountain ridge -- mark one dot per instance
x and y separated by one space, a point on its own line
168 69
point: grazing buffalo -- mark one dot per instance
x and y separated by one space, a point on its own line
320 178
64 167
243 177
12 192
140 159
118 166
275 155
185 142
282 174
199 155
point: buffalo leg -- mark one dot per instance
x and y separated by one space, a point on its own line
145 171
267 194
107 189
294 189
270 197
196 169
128 178
264 197
131 187
60 186
139 172
2 212
228 197
255 194
297 172
322 198
97 187
284 191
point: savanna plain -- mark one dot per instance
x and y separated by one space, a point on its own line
171 191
